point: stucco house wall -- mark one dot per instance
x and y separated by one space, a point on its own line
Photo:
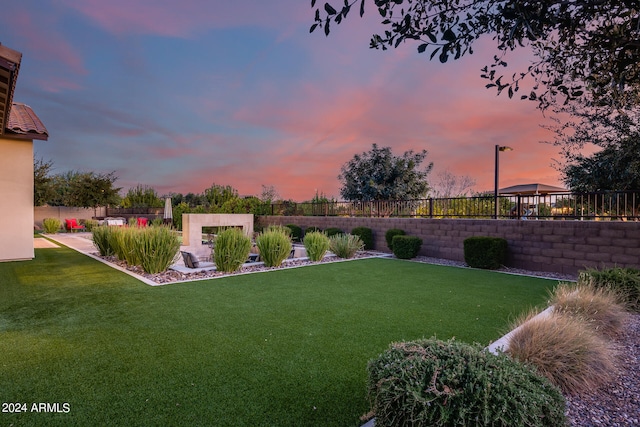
19 126
16 199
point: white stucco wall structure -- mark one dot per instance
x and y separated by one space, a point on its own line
16 199
192 228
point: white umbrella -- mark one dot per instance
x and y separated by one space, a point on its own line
168 211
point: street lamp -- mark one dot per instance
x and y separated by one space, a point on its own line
495 191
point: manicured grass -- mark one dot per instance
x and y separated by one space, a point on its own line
284 348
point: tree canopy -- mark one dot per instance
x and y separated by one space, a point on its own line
379 175
42 190
585 50
615 168
142 196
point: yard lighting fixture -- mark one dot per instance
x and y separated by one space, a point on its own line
499 148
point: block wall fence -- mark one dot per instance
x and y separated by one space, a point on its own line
553 246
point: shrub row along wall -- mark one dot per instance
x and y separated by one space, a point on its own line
64 212
554 246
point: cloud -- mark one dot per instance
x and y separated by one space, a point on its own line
41 42
186 18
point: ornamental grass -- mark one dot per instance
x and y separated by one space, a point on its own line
345 245
274 245
601 308
232 250
153 248
316 244
564 349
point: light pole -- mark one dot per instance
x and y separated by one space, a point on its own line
495 190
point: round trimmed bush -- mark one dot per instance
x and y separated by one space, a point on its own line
365 234
332 231
485 252
388 236
436 383
296 232
311 229
406 247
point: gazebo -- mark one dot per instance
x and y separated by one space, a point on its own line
532 190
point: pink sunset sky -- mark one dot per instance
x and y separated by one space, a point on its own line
181 95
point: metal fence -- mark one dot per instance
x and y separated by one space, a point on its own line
587 206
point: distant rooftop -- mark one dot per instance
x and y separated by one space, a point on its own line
16 120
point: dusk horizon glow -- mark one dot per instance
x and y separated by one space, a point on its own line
181 95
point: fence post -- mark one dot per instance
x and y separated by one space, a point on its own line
430 207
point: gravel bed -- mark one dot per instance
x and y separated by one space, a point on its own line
545 274
616 404
172 276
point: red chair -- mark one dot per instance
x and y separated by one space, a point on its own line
72 225
142 221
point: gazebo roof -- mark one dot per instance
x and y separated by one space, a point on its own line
531 189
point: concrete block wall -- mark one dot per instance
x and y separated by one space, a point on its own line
63 212
554 246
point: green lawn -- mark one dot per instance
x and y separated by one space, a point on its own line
283 348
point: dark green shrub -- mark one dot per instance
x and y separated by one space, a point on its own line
51 225
485 252
406 247
365 234
625 281
274 246
232 250
317 244
332 231
389 236
437 383
296 232
345 245
311 229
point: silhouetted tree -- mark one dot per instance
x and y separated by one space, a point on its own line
379 175
42 190
584 49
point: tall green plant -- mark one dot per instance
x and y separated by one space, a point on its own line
232 250
102 239
345 245
155 248
51 225
90 224
122 240
274 246
317 244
